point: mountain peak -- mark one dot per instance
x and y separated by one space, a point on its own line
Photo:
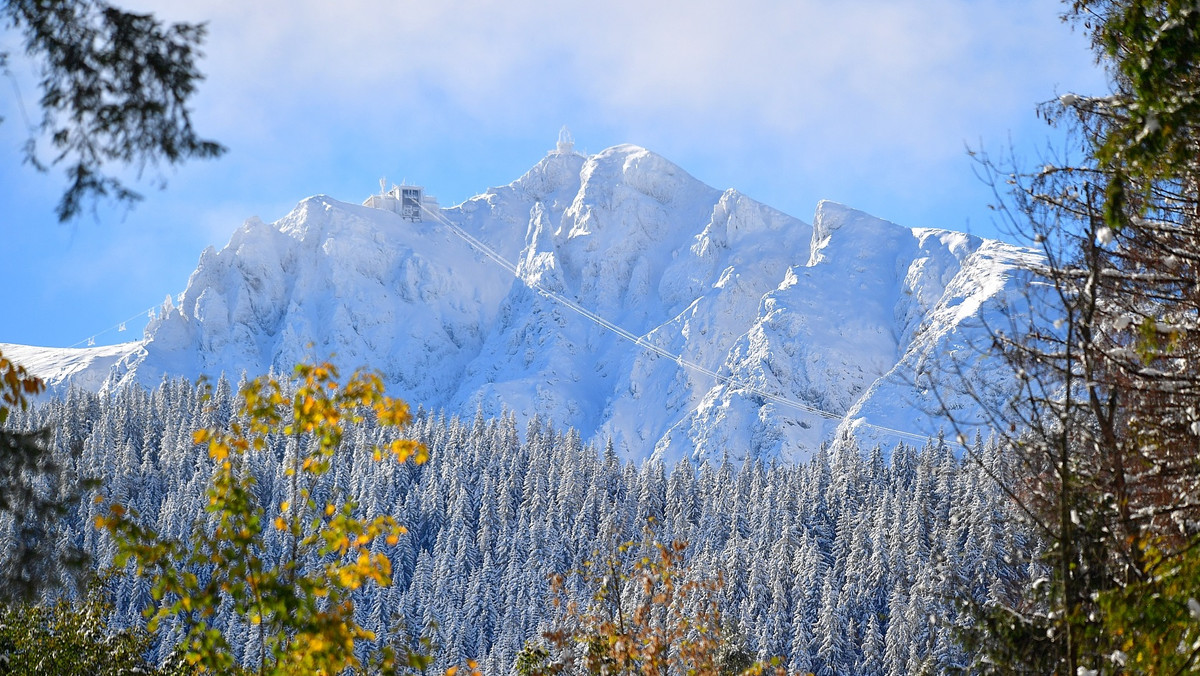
644 172
863 229
555 173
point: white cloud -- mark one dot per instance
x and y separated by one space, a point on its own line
876 91
902 74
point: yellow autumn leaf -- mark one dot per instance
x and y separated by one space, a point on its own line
347 579
320 406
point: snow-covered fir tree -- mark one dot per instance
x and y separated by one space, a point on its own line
850 563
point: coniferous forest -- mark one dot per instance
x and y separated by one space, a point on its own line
856 562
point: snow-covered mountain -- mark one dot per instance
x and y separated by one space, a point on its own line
808 327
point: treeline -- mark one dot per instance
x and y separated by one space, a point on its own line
852 563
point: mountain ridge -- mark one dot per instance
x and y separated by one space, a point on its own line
844 315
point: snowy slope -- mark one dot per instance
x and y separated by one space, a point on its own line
58 367
838 316
849 332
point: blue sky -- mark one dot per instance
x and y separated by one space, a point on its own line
869 103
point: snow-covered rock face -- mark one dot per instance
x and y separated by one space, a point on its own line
810 328
856 335
61 367
333 280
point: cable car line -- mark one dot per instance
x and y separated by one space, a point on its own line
491 254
